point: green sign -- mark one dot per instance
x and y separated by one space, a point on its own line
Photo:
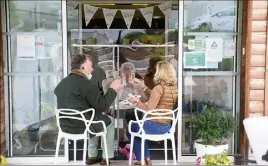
195 60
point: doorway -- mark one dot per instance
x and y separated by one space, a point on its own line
112 46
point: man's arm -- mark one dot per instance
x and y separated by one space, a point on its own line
98 100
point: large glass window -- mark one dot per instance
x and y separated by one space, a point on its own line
209 62
33 41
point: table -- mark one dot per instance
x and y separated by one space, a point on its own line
117 107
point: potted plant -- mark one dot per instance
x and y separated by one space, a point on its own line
212 127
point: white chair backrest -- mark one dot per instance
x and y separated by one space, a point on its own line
175 121
258 137
161 114
74 115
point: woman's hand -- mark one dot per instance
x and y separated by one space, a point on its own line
133 100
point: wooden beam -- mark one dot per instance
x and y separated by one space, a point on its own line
266 76
2 107
246 76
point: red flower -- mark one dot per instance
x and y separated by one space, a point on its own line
198 161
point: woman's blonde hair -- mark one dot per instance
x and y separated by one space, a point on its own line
165 74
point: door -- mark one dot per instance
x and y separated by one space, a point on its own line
33 66
217 81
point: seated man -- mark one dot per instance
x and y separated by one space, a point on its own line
76 91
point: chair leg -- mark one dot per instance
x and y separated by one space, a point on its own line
131 150
57 149
174 151
142 151
74 151
165 146
85 150
105 149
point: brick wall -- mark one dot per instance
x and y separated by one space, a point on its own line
254 67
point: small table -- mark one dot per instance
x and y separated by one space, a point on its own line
117 107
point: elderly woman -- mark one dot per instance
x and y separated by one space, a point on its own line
162 96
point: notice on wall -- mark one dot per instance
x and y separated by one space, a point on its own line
25 46
214 49
229 47
39 47
195 60
199 44
191 44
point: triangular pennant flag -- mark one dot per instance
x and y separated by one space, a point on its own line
71 5
165 7
89 12
109 16
148 14
128 16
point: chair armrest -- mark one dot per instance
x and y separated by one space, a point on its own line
92 115
136 113
89 123
139 122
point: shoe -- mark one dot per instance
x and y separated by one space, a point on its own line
103 162
148 161
93 160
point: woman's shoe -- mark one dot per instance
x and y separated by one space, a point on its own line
148 161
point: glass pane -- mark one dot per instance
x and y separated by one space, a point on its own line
210 16
34 123
199 91
222 59
36 68
36 15
45 48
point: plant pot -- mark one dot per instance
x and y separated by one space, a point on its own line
202 149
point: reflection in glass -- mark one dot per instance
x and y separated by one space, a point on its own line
210 16
27 17
34 123
199 92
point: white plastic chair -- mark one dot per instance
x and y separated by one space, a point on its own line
257 137
71 114
154 137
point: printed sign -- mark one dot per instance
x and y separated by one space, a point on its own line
25 46
195 60
39 46
229 47
191 44
214 49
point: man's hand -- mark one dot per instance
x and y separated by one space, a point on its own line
116 85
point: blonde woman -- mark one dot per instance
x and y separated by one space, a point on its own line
163 96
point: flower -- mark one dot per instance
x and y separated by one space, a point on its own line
216 159
3 160
198 161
